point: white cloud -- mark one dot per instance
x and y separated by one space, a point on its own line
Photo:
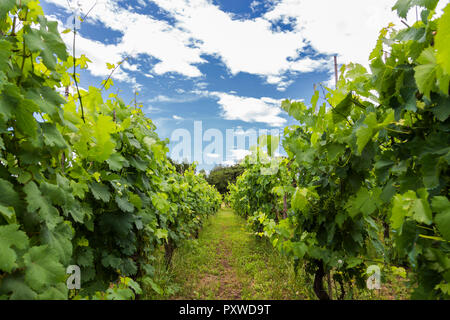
248 109
142 34
239 154
130 67
201 85
166 99
253 5
235 156
175 117
348 28
213 155
243 45
152 109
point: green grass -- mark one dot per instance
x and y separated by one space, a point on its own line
228 262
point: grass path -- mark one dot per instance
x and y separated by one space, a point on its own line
227 262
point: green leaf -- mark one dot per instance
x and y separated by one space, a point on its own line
138 163
421 208
134 285
112 261
400 208
294 109
442 41
402 7
342 110
42 268
5 7
116 162
59 241
299 249
366 131
36 201
57 292
314 99
442 110
8 213
26 123
430 171
119 294
100 191
441 205
159 200
363 202
299 199
161 233
52 136
16 288
135 200
10 236
153 285
425 74
47 41
353 262
9 197
104 146
408 205
124 204
334 150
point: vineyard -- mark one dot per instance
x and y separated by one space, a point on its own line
85 180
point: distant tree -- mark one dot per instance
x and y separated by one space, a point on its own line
180 167
221 176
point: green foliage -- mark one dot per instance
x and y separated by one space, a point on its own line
221 176
96 191
375 155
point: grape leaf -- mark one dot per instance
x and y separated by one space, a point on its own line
42 269
16 288
47 41
441 205
124 204
426 72
442 42
36 201
10 236
6 6
100 191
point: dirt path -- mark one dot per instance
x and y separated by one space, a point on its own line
228 263
230 287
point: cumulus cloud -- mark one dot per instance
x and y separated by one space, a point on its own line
213 155
248 109
348 28
175 99
235 155
142 34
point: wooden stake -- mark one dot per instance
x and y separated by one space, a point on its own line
315 86
336 69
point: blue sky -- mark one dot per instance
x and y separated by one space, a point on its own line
226 63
